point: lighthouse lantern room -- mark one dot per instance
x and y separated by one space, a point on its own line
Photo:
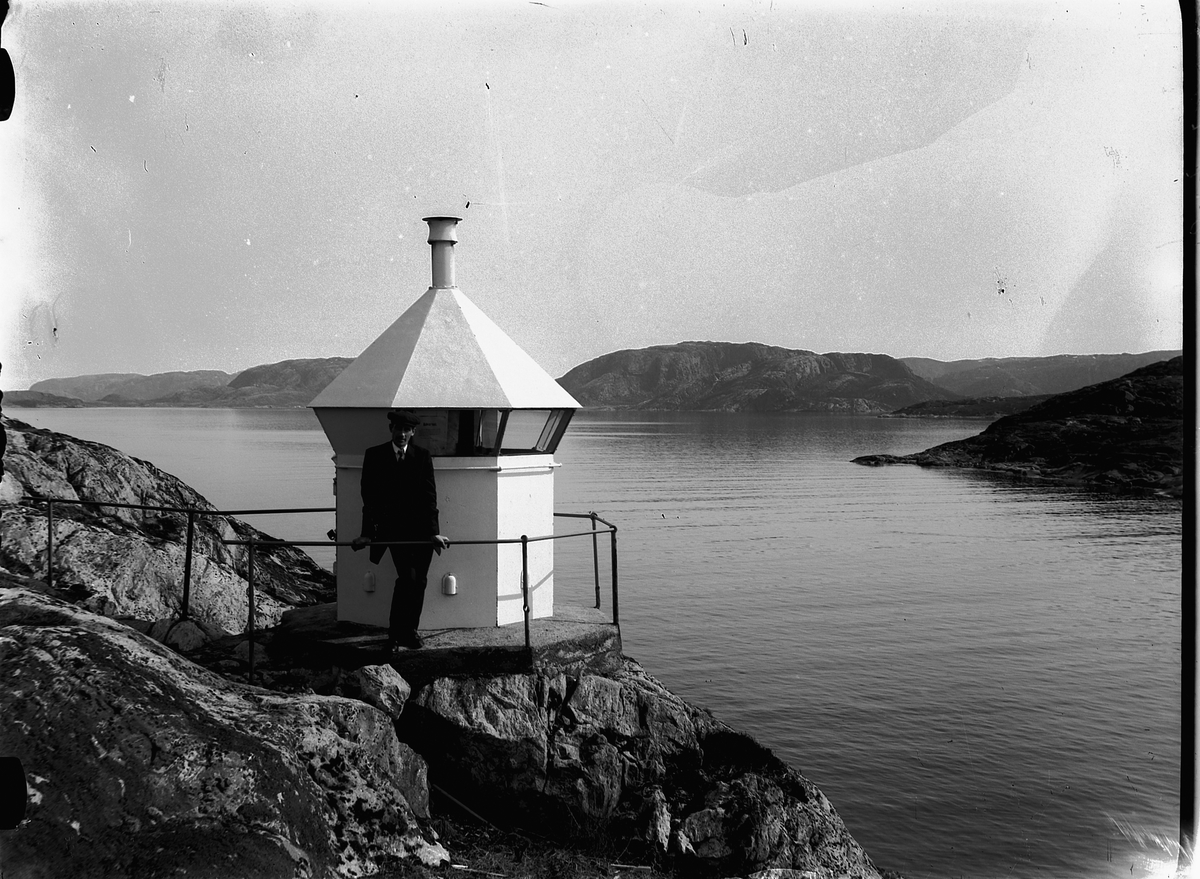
490 417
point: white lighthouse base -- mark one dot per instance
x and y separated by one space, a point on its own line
479 499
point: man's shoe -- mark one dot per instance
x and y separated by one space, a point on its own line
412 641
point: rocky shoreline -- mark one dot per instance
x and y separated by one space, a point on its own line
1125 434
143 759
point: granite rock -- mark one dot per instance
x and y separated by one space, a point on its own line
123 562
624 757
183 636
378 685
141 763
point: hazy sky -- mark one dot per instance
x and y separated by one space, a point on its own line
211 185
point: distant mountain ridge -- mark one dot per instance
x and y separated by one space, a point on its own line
747 377
131 386
127 386
734 376
287 384
1030 376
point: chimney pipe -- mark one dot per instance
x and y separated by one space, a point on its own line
442 236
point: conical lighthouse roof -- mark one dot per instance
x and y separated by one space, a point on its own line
444 353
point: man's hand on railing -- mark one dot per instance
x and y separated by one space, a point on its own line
440 543
359 542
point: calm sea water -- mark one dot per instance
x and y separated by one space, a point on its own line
983 676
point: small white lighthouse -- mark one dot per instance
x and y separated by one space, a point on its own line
492 419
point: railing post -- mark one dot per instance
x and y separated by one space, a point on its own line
49 541
525 584
250 627
595 557
616 610
187 566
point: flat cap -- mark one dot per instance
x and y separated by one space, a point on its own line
406 419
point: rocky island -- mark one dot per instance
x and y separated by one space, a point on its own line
147 752
1126 433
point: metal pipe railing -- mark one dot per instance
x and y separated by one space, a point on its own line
595 557
187 565
525 585
250 624
524 540
616 610
49 542
595 554
252 543
198 511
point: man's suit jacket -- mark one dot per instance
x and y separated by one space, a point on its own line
399 497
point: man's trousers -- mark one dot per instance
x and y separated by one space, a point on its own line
412 571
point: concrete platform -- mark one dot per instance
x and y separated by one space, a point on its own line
573 640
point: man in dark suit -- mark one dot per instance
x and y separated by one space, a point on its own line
400 503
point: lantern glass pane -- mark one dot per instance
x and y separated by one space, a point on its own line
488 424
524 430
